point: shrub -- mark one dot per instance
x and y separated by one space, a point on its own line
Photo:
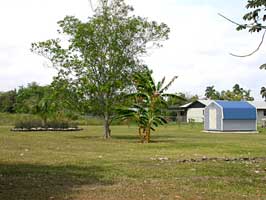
35 123
61 124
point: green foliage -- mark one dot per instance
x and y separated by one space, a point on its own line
256 16
236 94
28 124
211 93
149 100
177 100
48 102
8 101
263 92
37 100
101 55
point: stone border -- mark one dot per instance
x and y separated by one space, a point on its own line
44 129
213 159
205 159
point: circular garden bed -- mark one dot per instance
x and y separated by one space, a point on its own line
45 129
38 125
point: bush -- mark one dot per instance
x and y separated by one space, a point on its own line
34 123
61 124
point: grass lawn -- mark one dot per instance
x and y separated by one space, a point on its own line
81 165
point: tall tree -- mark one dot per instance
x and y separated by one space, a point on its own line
101 54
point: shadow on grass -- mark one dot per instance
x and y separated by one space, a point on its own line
88 137
28 181
154 138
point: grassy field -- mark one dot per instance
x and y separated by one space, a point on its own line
81 165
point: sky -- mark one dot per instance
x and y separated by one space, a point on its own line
197 51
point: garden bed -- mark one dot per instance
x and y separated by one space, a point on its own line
45 129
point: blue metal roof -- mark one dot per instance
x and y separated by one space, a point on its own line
238 110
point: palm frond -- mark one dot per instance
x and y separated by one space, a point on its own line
160 84
169 84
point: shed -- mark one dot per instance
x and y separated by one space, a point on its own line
230 116
261 110
192 111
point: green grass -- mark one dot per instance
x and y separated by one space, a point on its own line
82 165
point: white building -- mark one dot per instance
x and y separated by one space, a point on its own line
261 110
194 111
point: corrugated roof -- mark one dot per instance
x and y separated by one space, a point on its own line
258 104
186 105
238 110
204 102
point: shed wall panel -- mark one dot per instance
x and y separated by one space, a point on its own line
239 125
218 117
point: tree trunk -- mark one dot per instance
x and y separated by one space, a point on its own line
141 131
148 135
107 130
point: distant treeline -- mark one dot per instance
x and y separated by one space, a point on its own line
33 99
44 101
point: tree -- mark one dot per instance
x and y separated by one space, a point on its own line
263 93
100 55
211 93
173 101
256 16
255 22
35 99
149 99
8 101
237 94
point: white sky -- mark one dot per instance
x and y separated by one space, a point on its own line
197 51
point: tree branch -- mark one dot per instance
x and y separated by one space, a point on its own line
229 19
257 49
253 52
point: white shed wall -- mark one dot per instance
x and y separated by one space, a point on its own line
260 116
195 113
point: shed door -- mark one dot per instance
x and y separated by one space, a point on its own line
212 119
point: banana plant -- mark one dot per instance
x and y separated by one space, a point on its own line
149 100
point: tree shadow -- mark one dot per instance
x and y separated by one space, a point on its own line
154 138
125 137
89 137
29 181
132 138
